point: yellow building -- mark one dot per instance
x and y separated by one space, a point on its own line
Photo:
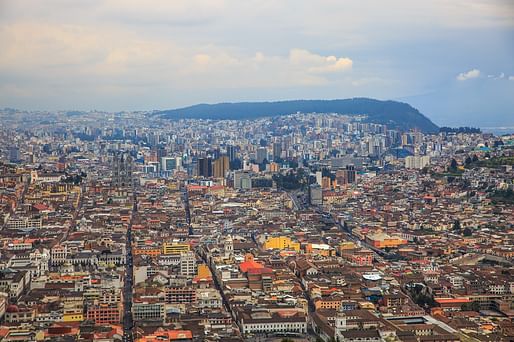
281 242
175 248
383 240
73 317
347 246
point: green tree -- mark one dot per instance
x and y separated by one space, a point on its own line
453 165
467 231
472 306
456 226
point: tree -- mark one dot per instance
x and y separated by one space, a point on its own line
472 306
467 231
456 226
453 165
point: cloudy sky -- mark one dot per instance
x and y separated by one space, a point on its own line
452 59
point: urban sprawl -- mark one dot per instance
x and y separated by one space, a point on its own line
304 227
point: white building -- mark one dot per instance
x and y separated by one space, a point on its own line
417 162
188 264
265 322
148 310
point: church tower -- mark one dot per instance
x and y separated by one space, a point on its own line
121 170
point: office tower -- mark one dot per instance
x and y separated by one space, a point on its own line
205 167
153 139
14 154
405 139
168 163
341 177
242 180
262 153
351 174
231 152
277 150
216 153
220 167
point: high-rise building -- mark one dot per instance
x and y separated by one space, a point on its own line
220 167
417 162
231 152
205 167
351 174
277 150
242 180
216 153
262 153
168 163
14 154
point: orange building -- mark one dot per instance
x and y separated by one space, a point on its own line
382 240
104 313
147 250
451 304
332 302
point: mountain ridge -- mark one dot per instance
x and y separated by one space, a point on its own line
395 114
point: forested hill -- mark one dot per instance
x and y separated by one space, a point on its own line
395 114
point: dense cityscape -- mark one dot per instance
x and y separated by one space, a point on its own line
304 227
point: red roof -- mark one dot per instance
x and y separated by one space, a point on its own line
247 265
452 300
40 207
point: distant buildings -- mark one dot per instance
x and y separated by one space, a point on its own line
417 162
316 194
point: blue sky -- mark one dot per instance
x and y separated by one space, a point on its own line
454 60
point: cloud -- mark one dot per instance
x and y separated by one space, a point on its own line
501 76
319 64
511 78
161 52
473 73
95 60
